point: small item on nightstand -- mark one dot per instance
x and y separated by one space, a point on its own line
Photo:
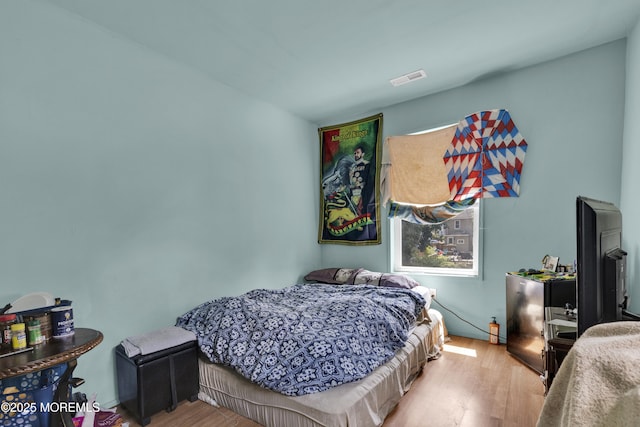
62 321
34 333
18 336
569 311
6 320
6 308
494 332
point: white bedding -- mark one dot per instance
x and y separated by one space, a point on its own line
598 383
361 403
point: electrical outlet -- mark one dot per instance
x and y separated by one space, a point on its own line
433 293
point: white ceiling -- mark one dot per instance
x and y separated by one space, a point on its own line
321 59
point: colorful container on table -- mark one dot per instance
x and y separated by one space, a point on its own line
6 320
62 321
18 336
34 333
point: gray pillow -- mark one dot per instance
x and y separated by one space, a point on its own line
335 276
360 276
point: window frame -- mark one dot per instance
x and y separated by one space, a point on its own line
474 272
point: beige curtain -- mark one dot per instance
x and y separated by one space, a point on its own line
413 171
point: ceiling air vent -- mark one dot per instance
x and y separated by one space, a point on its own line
408 78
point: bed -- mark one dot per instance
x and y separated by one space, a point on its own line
598 383
326 387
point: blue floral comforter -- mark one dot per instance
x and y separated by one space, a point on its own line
305 338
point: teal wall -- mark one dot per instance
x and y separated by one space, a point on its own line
136 187
571 112
629 203
139 188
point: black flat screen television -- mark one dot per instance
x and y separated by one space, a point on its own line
601 293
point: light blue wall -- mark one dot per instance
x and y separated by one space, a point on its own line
629 203
136 187
571 113
139 188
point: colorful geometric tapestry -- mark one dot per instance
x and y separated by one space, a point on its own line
485 157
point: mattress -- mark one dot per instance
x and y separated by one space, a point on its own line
361 403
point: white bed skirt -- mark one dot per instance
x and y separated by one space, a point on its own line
361 403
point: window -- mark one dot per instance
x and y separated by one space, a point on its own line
449 248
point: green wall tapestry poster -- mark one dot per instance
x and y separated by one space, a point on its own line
349 185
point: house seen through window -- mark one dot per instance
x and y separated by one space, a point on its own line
449 248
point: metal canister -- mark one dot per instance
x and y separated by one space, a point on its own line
62 321
34 333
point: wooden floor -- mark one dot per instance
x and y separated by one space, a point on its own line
473 383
